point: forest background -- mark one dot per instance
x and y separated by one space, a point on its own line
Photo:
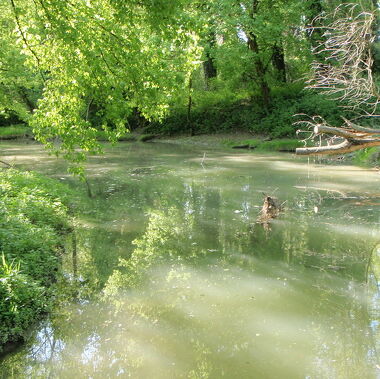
70 69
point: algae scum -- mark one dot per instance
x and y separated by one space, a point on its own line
172 277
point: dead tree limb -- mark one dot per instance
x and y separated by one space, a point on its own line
344 147
6 164
350 138
346 74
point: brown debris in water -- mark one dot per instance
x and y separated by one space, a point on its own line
270 210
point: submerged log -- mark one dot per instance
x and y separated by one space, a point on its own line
241 146
147 137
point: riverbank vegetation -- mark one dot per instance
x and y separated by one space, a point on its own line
34 222
15 132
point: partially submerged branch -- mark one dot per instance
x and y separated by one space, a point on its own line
353 139
341 148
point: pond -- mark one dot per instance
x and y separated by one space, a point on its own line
171 276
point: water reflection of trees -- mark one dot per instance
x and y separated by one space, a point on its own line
209 290
335 262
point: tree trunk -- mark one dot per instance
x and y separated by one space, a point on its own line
209 68
189 106
24 96
314 31
278 62
259 66
260 69
375 30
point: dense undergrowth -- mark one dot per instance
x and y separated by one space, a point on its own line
34 220
368 157
219 112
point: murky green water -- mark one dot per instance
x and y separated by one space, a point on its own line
201 290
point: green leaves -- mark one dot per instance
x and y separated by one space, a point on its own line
105 59
116 55
33 221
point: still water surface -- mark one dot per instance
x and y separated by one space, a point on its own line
173 277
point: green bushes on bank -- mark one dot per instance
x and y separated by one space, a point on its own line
285 144
367 157
15 131
34 219
217 114
22 301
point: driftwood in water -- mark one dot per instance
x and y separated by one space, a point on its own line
6 164
270 210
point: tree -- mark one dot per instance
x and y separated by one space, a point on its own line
20 85
120 56
262 41
347 75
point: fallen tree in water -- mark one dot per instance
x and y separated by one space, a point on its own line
346 74
350 138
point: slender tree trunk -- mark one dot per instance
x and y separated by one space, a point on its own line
375 31
189 106
314 32
23 94
260 68
74 254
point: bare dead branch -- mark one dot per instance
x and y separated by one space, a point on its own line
342 148
346 75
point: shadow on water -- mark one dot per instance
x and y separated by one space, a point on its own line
176 279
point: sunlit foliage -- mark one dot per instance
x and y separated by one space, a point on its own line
33 222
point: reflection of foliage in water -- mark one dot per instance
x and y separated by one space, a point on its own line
166 239
204 323
211 292
332 299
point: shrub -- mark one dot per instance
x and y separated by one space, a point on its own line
22 301
33 220
368 157
14 131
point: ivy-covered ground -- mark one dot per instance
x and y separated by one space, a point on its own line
34 221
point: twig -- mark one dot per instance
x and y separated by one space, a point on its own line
6 164
203 159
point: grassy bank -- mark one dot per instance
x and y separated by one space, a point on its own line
34 220
102 136
285 145
15 132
